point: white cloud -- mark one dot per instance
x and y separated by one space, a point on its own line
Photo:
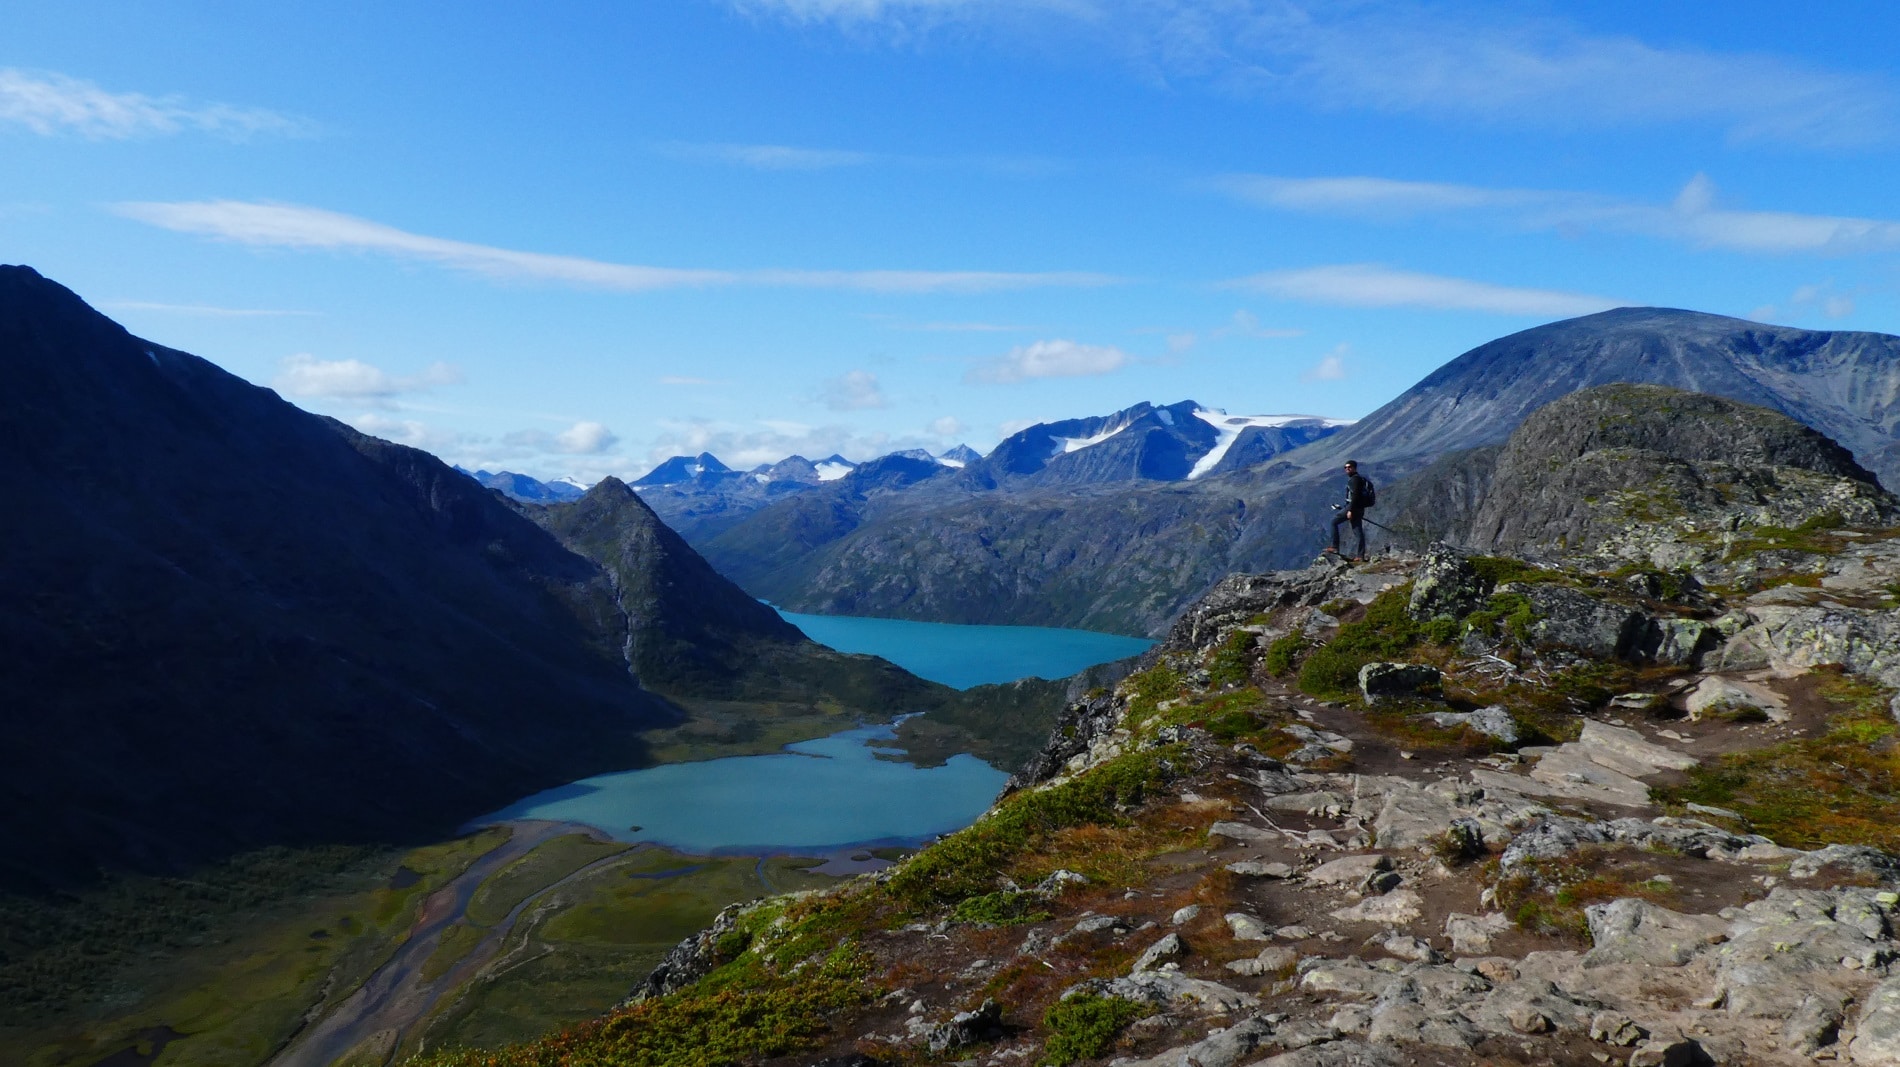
1694 216
50 104
853 391
199 309
585 439
1492 66
1049 359
1330 368
1806 299
1372 285
292 226
948 426
304 375
744 447
408 432
767 156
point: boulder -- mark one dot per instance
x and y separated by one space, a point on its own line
1471 935
1396 908
966 1028
1247 928
1682 642
1271 960
1493 721
1570 618
1349 871
1716 694
1167 948
1224 1049
1398 681
1445 585
1636 931
1877 1033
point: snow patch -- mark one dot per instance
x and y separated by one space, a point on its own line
1165 416
762 479
573 481
1227 429
1076 444
831 472
948 462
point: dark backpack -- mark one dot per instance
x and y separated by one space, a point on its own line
1372 493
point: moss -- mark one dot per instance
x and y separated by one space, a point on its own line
1084 1027
1339 607
1504 614
1386 631
1285 651
712 1024
966 864
1232 660
1000 909
1494 571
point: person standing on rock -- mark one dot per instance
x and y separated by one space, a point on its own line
1359 497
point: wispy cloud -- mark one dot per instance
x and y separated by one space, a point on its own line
52 104
1695 216
1331 366
854 390
1049 359
1372 285
293 226
305 376
766 156
204 310
1492 66
584 438
746 446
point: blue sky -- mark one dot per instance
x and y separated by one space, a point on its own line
573 239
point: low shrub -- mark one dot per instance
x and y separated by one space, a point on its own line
1085 1026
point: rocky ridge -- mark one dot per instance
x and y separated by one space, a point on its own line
1443 808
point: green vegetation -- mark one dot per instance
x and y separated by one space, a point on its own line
1003 725
1504 613
546 864
575 959
1232 660
1285 651
1084 1027
1000 909
1842 787
231 957
1494 571
767 1014
1386 632
967 863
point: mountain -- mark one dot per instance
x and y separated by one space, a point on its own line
226 623
685 469
959 456
528 490
1442 808
1069 550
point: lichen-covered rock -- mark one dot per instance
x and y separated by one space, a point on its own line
1445 585
1492 721
1570 618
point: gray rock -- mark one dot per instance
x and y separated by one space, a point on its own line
1168 947
1444 585
1636 931
1398 681
1183 915
1615 1028
1570 618
966 1028
1173 989
1682 642
1471 935
1246 928
1715 694
1349 870
1224 1049
1252 869
1551 837
1667 1052
1854 859
1491 721
1271 960
1814 1025
1336 1054
1241 832
1396 908
1406 947
1623 749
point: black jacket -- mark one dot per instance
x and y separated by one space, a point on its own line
1356 486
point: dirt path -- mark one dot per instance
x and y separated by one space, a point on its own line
396 996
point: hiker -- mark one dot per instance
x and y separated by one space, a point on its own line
1359 496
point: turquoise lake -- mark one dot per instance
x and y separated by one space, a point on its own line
833 792
963 656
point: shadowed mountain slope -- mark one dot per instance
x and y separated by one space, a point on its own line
227 623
